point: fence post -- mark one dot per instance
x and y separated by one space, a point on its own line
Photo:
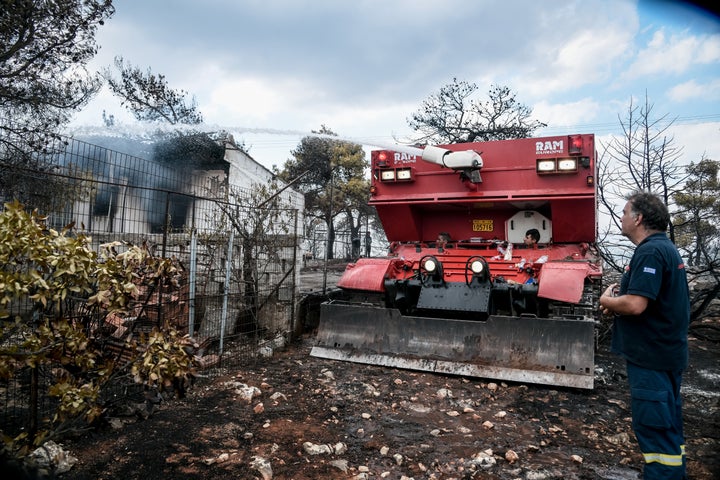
226 293
34 400
192 280
166 228
293 284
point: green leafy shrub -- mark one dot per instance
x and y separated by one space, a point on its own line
58 282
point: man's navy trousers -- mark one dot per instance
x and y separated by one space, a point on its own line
657 421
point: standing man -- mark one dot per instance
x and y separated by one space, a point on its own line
652 314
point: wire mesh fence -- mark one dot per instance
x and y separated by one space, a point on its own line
236 256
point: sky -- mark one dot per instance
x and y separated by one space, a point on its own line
271 71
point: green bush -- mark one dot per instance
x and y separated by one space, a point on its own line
61 282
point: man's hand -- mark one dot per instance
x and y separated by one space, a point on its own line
610 291
627 304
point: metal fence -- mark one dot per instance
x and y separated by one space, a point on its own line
237 255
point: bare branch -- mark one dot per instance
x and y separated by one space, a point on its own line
453 116
149 97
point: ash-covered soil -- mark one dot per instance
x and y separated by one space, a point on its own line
298 417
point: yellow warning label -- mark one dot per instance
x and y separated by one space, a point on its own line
482 225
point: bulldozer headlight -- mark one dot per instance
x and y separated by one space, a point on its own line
387 175
477 266
546 166
431 271
476 270
404 174
567 165
430 265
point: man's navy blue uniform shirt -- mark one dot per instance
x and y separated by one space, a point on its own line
657 338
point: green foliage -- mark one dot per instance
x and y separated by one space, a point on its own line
699 214
43 265
66 284
163 359
332 178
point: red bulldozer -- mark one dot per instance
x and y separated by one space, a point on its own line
492 269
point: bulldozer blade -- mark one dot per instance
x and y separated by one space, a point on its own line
519 349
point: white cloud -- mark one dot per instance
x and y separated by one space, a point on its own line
244 100
569 56
709 51
560 115
698 141
674 54
694 90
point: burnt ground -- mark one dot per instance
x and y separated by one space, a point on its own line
298 417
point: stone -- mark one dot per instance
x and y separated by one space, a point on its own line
444 393
51 456
340 464
247 393
483 460
314 449
277 397
619 439
263 467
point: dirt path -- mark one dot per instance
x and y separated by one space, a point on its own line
298 417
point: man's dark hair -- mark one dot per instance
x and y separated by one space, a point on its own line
655 215
534 233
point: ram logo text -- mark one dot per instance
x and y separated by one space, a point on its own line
555 146
401 157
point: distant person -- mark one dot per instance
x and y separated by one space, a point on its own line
368 244
532 237
650 329
356 245
442 239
